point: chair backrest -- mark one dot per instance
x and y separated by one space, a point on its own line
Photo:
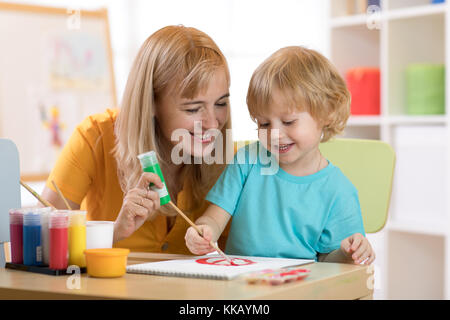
9 184
369 164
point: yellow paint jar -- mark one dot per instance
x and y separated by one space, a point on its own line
77 238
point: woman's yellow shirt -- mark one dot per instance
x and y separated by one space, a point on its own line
86 173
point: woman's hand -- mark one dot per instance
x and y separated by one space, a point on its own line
358 248
139 205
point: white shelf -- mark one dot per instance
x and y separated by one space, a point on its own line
425 227
374 120
414 12
393 14
369 120
349 21
420 120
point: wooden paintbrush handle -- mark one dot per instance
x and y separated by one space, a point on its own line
61 195
43 201
186 218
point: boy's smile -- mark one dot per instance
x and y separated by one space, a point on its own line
283 148
292 136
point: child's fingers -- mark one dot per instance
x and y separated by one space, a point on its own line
207 234
196 249
366 254
202 245
196 243
199 246
201 249
345 245
356 256
205 251
371 259
358 248
191 234
194 236
193 240
356 240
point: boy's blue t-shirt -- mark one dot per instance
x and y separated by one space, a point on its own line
281 215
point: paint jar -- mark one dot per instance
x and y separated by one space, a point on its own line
99 234
149 163
364 86
77 238
32 250
58 229
16 234
45 237
425 89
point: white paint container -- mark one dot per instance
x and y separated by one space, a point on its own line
99 234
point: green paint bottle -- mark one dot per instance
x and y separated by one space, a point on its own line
149 163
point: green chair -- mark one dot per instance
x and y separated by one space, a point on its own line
369 164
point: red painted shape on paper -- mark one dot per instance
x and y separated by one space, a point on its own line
219 261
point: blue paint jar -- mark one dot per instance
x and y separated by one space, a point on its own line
32 249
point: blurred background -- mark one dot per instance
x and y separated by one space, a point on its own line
63 60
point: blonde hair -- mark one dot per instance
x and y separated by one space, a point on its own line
309 81
176 55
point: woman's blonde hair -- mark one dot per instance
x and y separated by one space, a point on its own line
185 58
309 82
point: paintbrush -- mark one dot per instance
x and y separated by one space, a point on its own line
200 232
43 201
61 195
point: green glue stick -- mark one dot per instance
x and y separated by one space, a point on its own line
149 163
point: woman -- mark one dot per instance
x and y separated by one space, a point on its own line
179 80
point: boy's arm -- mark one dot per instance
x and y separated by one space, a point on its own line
216 218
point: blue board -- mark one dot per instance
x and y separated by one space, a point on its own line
9 188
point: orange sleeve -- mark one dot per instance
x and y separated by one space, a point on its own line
75 168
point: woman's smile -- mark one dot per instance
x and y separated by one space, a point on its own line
203 139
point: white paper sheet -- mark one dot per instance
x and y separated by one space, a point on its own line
212 267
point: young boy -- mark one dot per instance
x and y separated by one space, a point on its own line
307 208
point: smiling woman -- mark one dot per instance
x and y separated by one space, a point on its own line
179 80
208 111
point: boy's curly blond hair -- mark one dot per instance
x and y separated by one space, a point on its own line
306 78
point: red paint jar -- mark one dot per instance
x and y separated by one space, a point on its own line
58 230
364 86
16 235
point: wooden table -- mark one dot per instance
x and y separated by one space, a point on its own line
326 281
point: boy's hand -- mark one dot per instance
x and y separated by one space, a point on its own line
197 244
358 248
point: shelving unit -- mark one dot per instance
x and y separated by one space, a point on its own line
413 250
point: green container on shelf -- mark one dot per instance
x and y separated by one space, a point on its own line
425 89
